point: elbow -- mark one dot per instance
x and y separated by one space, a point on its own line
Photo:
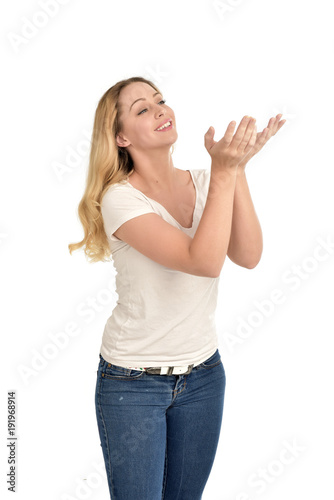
215 272
210 273
252 263
251 266
253 260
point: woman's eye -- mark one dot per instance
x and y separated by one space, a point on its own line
163 101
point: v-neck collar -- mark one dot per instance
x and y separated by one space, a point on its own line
195 208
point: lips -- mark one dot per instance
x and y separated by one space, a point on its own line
163 123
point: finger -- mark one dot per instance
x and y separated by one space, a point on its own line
261 139
276 124
271 123
281 123
262 136
240 131
252 140
248 134
273 119
208 138
229 133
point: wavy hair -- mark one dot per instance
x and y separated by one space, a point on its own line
108 164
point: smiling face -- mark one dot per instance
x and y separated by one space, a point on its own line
142 111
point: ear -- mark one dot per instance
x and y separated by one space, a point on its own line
121 141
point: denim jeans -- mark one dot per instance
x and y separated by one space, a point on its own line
159 433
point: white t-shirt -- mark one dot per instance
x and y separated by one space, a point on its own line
163 317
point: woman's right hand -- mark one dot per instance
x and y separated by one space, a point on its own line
231 149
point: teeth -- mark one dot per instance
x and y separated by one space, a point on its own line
164 126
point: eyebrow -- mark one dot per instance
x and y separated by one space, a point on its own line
143 99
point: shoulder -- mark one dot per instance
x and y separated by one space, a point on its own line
120 191
121 201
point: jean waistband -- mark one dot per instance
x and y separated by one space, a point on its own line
168 370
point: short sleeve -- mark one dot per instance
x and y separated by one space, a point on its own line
120 204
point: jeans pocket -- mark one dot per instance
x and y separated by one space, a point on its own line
114 372
214 360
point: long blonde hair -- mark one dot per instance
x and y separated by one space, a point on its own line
108 164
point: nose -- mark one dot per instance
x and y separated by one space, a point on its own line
160 111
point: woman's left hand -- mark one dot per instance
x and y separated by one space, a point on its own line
262 138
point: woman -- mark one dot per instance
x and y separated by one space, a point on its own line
160 380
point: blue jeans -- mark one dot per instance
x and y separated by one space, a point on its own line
159 433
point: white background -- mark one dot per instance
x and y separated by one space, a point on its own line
215 62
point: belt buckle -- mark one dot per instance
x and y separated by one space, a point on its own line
153 371
170 370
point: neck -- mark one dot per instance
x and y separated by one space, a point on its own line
155 171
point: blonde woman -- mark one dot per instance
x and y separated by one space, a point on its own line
160 380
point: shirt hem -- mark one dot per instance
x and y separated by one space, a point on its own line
150 364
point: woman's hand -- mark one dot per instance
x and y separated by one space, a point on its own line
231 149
274 124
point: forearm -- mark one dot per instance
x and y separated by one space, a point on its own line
246 241
210 242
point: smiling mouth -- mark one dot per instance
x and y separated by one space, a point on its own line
167 126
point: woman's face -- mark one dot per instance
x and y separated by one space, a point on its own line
142 111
